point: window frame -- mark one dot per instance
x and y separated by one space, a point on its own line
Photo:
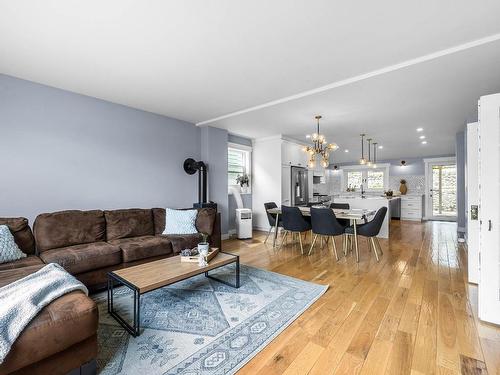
247 168
384 167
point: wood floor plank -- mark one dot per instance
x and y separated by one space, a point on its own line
471 366
411 313
401 354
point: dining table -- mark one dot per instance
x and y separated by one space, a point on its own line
353 215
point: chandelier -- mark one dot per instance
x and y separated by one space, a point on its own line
320 148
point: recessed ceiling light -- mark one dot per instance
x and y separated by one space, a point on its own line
381 147
424 142
308 136
420 129
422 137
346 150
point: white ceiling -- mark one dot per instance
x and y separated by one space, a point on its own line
199 60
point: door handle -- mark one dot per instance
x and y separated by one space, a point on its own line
489 225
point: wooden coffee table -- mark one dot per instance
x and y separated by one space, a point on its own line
150 276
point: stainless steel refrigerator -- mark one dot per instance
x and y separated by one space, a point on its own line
299 187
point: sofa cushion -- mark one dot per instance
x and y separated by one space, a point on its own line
81 258
183 241
143 247
180 221
9 251
22 233
67 228
66 321
132 222
23 262
205 220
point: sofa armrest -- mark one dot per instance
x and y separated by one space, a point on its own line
215 239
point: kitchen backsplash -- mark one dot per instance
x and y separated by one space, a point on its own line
415 184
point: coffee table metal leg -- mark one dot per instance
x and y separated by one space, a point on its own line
133 329
237 274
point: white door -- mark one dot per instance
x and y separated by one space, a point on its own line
441 181
472 202
489 208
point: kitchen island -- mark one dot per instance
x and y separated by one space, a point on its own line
372 203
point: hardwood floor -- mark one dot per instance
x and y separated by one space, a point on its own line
412 313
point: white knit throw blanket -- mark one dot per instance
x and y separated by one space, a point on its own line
23 299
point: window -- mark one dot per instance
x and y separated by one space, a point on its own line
238 163
371 179
354 179
375 180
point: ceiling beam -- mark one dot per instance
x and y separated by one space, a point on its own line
361 77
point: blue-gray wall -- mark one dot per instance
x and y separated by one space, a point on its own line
414 166
461 156
60 150
214 153
239 140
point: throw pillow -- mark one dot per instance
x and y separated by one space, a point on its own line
9 251
180 221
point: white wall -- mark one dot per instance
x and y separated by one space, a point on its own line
266 183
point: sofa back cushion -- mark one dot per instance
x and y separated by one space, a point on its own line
205 220
132 222
68 228
22 233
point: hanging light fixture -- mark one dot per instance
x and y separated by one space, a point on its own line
374 165
369 162
362 160
320 148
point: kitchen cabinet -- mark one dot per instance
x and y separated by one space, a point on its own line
286 194
272 159
292 154
412 207
489 208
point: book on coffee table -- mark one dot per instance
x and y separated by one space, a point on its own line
195 258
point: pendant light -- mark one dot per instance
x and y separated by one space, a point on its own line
320 149
374 154
369 162
362 161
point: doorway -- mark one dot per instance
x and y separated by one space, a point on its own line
441 181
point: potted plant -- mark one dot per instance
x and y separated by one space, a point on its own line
243 181
403 188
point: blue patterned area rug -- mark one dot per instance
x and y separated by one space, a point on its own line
200 326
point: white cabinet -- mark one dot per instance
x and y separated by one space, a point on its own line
411 207
292 154
286 194
489 208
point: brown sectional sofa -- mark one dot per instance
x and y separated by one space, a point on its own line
88 244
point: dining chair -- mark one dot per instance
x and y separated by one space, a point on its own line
271 218
370 230
341 206
325 223
294 222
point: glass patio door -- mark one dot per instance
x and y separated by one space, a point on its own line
443 191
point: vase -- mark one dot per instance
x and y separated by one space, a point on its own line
203 247
403 189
